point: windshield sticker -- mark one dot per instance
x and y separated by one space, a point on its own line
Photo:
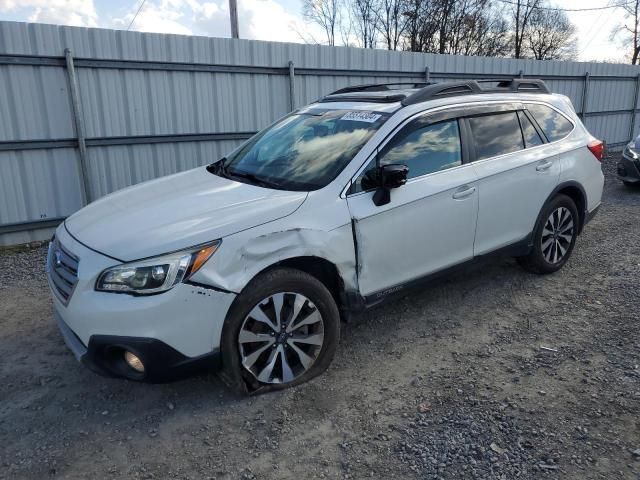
361 117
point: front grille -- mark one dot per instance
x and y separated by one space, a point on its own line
62 267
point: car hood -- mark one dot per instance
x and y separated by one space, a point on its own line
176 212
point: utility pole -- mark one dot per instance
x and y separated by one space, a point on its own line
233 14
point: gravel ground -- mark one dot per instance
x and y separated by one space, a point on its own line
494 373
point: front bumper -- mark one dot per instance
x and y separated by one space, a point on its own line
105 356
629 170
173 333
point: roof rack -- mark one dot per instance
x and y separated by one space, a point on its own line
380 87
474 87
431 90
377 92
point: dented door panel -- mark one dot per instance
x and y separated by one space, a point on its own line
422 230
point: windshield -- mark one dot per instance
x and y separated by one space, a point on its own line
303 151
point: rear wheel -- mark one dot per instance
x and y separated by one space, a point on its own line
554 236
282 330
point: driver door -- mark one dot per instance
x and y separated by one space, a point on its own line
430 222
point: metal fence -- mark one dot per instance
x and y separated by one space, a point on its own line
84 112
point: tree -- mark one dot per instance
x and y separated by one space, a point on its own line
631 29
475 27
458 27
392 22
323 13
522 11
422 25
364 16
551 35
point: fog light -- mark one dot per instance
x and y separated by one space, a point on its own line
134 362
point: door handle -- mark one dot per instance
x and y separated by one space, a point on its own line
464 192
544 166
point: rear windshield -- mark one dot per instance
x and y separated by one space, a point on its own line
303 151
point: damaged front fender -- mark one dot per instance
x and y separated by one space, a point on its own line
244 255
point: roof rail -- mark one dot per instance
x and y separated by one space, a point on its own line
388 98
471 87
380 87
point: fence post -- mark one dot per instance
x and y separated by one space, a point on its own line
427 74
292 86
634 108
585 94
79 124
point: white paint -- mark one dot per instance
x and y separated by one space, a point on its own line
426 227
176 211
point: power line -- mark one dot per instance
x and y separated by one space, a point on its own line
136 15
511 2
598 20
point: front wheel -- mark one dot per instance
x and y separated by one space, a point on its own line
554 236
282 330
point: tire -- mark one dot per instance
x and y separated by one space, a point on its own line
252 317
631 184
551 251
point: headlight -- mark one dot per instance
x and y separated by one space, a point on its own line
155 275
630 151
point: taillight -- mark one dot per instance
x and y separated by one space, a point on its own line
597 148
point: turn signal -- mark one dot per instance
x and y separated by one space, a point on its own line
200 257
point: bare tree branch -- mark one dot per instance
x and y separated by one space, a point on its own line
631 40
323 13
551 35
364 16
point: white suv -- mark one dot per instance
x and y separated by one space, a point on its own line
251 262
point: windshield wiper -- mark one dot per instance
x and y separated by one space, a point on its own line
219 168
261 182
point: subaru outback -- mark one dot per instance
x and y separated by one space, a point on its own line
250 263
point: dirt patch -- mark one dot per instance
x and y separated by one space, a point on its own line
494 373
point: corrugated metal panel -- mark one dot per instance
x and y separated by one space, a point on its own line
123 102
38 184
116 167
611 95
614 128
34 103
134 102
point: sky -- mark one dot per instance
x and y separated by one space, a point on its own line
279 20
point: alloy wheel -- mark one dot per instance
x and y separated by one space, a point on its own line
557 235
281 337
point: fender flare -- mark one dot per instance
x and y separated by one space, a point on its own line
573 184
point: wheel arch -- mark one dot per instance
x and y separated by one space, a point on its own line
575 192
320 268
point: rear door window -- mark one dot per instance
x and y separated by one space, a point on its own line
530 134
496 134
554 125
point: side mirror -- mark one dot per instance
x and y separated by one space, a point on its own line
391 176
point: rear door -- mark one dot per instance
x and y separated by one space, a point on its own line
516 173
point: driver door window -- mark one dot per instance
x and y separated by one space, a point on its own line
423 148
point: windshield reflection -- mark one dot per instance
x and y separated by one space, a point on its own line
304 151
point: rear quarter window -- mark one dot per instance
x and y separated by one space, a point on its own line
554 125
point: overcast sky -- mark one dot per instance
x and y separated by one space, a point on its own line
262 19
